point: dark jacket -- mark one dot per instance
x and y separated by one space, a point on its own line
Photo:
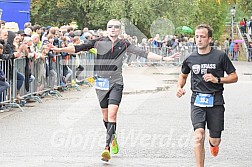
8 52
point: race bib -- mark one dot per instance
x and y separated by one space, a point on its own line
204 100
102 83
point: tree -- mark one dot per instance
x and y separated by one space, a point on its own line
140 13
212 13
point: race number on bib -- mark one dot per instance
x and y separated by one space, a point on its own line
204 100
102 83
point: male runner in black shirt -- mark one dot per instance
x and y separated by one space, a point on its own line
108 72
207 67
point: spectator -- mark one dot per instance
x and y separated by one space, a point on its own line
37 29
9 52
250 51
250 26
4 85
231 49
29 55
242 26
236 51
216 44
143 45
21 34
36 43
245 26
28 32
67 72
77 57
226 46
27 24
50 65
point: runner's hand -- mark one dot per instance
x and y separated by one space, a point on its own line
175 55
170 58
210 78
180 92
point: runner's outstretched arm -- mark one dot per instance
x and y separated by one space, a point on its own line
76 48
155 56
69 49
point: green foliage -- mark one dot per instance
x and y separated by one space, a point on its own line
142 13
246 7
212 13
181 12
243 10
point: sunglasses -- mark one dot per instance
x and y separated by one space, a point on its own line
115 26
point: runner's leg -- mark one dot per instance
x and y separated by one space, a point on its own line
198 117
199 150
105 116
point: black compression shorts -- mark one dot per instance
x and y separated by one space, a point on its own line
111 96
212 116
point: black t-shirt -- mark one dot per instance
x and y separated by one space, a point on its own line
217 63
109 60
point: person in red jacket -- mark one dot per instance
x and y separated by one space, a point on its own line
236 51
243 26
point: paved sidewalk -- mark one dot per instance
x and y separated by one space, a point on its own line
154 78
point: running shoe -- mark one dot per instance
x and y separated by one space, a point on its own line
114 145
214 150
106 154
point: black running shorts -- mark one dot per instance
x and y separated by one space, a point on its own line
212 116
111 96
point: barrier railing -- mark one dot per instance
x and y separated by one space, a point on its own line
31 78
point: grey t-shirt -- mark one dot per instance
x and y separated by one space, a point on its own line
109 60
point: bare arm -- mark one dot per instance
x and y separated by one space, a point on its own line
150 55
69 49
154 56
75 48
180 84
230 78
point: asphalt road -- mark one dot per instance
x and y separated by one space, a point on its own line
154 127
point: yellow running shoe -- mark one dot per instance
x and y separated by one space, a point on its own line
106 154
114 145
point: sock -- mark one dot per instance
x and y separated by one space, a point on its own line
211 144
111 129
105 124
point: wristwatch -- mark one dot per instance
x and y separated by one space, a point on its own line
219 79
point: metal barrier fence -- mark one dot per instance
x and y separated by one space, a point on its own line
185 51
163 51
28 79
